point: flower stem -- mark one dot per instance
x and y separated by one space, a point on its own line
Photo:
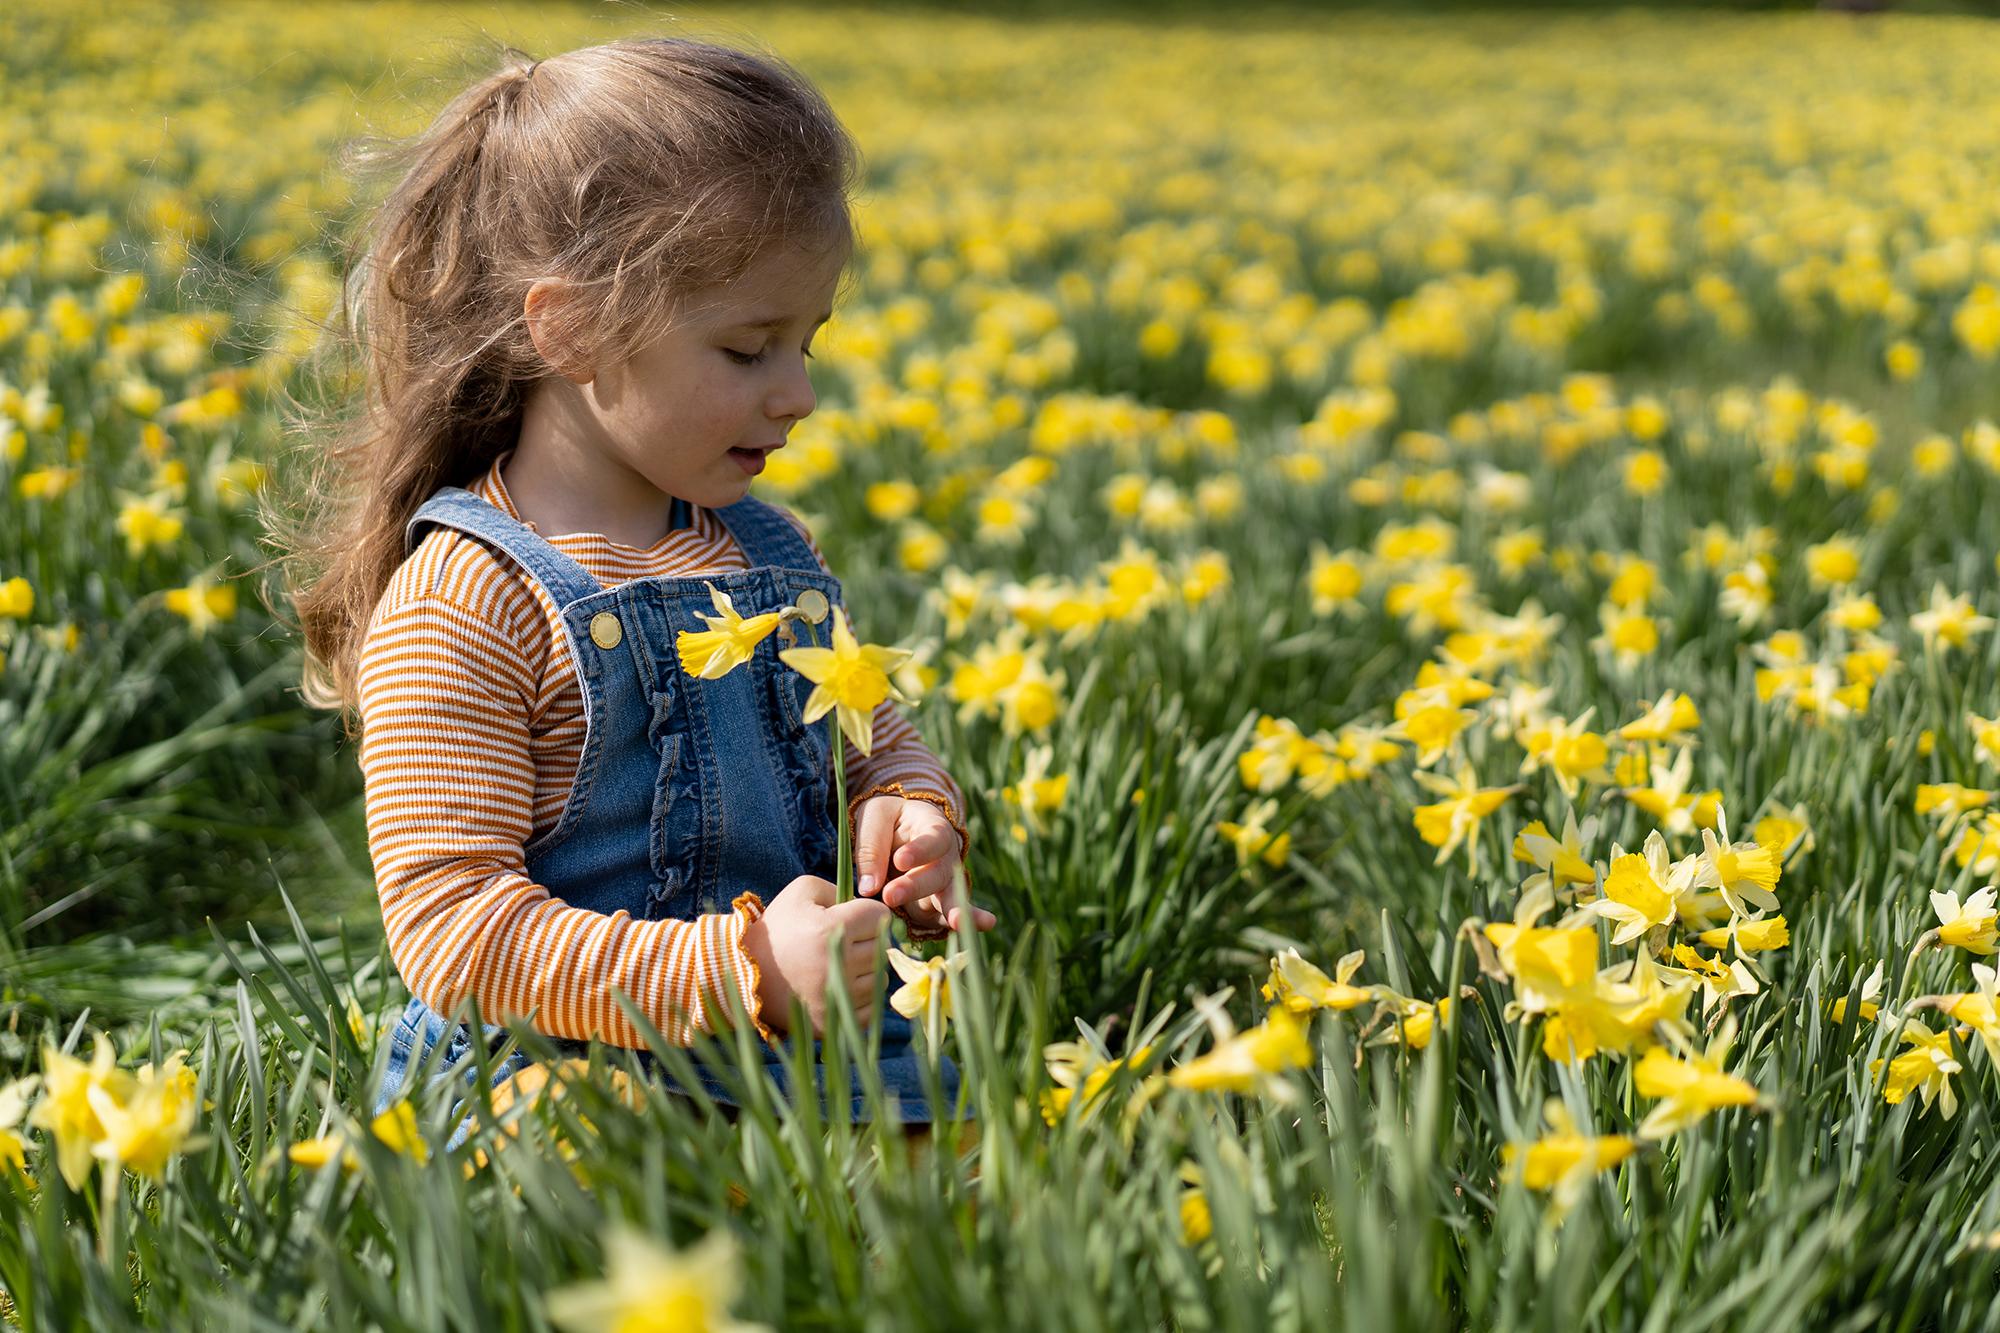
844 871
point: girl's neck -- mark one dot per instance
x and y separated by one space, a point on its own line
562 486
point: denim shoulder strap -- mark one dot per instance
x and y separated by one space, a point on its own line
767 536
456 507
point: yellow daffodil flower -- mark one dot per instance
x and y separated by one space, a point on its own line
1560 863
14 1097
203 603
152 1122
851 678
1253 838
727 643
1564 1160
1971 925
1949 622
926 988
649 1286
70 1113
1248 1061
1667 722
1926 1068
1690 1088
1448 823
1301 987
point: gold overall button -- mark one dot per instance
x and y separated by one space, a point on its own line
605 631
812 605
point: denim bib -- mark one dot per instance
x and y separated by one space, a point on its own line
689 791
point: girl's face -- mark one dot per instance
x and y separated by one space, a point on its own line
696 413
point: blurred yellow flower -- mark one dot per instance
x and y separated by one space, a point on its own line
69 1112
1690 1088
146 522
1253 838
650 1287
203 603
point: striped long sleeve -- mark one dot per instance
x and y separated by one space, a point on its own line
472 728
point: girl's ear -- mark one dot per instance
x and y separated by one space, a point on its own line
542 311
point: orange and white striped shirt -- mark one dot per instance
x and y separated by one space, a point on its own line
472 727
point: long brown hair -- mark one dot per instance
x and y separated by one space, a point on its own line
637 173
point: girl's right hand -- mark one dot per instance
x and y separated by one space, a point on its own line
789 945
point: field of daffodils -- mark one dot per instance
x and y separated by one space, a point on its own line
1454 559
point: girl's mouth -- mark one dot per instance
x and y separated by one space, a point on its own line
750 460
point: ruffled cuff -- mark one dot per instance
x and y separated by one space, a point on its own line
917 934
748 907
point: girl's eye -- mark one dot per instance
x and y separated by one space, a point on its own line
753 358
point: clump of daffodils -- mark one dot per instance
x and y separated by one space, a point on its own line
96 1112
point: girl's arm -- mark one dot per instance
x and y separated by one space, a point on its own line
446 699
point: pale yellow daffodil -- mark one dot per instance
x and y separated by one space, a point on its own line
926 989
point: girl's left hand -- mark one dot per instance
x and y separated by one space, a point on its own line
894 834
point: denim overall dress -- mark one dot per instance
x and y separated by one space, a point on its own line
689 791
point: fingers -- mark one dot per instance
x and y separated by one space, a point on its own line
923 882
874 836
822 892
927 837
860 918
937 913
981 918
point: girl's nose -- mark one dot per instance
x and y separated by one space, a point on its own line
793 397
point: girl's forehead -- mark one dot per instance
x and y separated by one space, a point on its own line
778 287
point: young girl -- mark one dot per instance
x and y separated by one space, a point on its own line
586 309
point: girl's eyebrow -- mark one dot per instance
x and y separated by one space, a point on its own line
774 322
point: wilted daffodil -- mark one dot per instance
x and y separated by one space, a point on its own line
851 677
728 641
